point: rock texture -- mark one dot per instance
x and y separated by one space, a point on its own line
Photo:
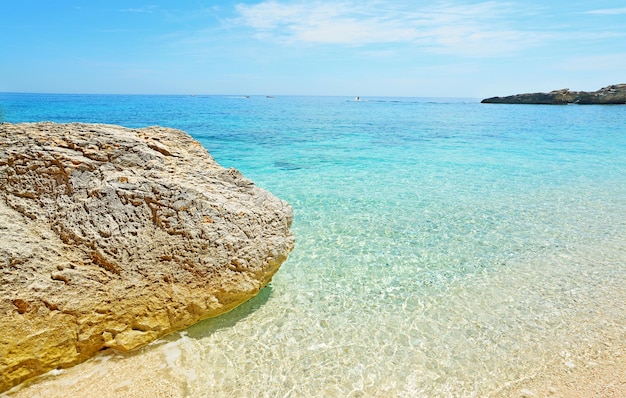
611 95
111 237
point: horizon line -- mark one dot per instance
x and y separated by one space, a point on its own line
237 95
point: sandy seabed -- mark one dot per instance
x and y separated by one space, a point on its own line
604 378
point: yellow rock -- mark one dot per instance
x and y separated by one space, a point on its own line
105 243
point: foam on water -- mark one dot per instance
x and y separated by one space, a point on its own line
443 249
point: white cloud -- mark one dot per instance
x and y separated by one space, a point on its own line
478 29
608 11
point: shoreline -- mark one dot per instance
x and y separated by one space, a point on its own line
598 378
601 379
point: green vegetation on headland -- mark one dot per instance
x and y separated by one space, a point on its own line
610 95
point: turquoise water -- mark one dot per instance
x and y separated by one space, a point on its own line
444 247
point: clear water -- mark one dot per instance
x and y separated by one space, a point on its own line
444 247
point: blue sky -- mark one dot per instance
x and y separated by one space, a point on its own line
312 47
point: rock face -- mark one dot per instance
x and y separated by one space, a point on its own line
611 95
111 237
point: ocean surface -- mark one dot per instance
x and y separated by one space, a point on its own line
443 247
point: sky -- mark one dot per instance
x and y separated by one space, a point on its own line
414 48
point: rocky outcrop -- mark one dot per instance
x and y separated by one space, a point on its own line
611 95
111 237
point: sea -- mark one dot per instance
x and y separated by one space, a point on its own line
444 247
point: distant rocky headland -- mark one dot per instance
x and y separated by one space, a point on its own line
610 95
112 237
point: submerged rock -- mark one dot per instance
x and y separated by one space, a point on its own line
112 237
610 95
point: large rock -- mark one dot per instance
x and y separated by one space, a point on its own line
610 95
111 237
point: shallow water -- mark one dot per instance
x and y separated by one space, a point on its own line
444 247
